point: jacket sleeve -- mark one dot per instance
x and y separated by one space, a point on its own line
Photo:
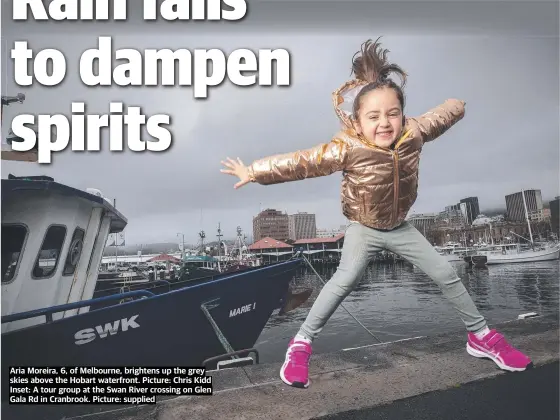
438 120
320 160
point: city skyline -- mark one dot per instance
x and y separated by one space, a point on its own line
334 229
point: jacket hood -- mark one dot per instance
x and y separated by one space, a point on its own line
343 100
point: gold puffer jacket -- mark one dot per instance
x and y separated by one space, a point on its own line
379 185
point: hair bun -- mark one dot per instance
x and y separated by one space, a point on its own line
372 66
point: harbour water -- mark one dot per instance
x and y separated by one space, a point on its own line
400 301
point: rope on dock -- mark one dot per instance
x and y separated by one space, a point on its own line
341 305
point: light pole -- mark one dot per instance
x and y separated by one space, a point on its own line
183 247
9 153
7 100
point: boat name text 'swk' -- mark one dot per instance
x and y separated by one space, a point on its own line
242 310
87 335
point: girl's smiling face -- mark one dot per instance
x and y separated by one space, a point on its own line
380 117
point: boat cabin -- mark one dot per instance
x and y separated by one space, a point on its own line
53 237
204 262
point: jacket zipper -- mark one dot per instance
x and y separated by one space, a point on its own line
396 177
395 154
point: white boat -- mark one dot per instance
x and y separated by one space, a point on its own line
450 253
453 258
455 252
508 254
512 253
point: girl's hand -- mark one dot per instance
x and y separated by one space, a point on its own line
238 169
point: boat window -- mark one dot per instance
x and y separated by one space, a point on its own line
13 239
74 252
49 255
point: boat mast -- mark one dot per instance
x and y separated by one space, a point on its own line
240 242
527 216
202 235
183 248
219 235
466 225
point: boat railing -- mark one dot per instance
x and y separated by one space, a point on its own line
48 312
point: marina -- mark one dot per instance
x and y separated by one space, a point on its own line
398 301
386 301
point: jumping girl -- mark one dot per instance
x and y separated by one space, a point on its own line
378 152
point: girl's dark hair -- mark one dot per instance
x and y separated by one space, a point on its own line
372 67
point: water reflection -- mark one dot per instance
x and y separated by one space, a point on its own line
399 301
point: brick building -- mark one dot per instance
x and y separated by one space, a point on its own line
271 223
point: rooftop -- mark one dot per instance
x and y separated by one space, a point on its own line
268 243
319 240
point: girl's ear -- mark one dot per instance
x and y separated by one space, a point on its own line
356 125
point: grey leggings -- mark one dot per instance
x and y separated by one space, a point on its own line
360 243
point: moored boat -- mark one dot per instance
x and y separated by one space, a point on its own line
53 237
513 252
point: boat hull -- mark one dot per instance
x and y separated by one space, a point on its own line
161 286
453 258
521 257
169 329
528 256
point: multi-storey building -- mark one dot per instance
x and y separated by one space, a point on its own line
331 233
469 207
301 226
516 209
270 223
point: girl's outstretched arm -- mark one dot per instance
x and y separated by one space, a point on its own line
317 161
320 160
438 120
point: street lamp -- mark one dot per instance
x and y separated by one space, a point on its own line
7 100
8 153
183 248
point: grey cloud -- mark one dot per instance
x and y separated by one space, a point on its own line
528 18
507 141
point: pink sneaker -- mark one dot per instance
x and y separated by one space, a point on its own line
295 370
495 347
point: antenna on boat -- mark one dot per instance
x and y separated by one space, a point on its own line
202 235
219 235
240 243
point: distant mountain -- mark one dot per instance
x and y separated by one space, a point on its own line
493 212
159 248
156 248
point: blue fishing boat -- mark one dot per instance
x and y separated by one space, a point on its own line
53 237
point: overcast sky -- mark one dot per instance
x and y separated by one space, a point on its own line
508 140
